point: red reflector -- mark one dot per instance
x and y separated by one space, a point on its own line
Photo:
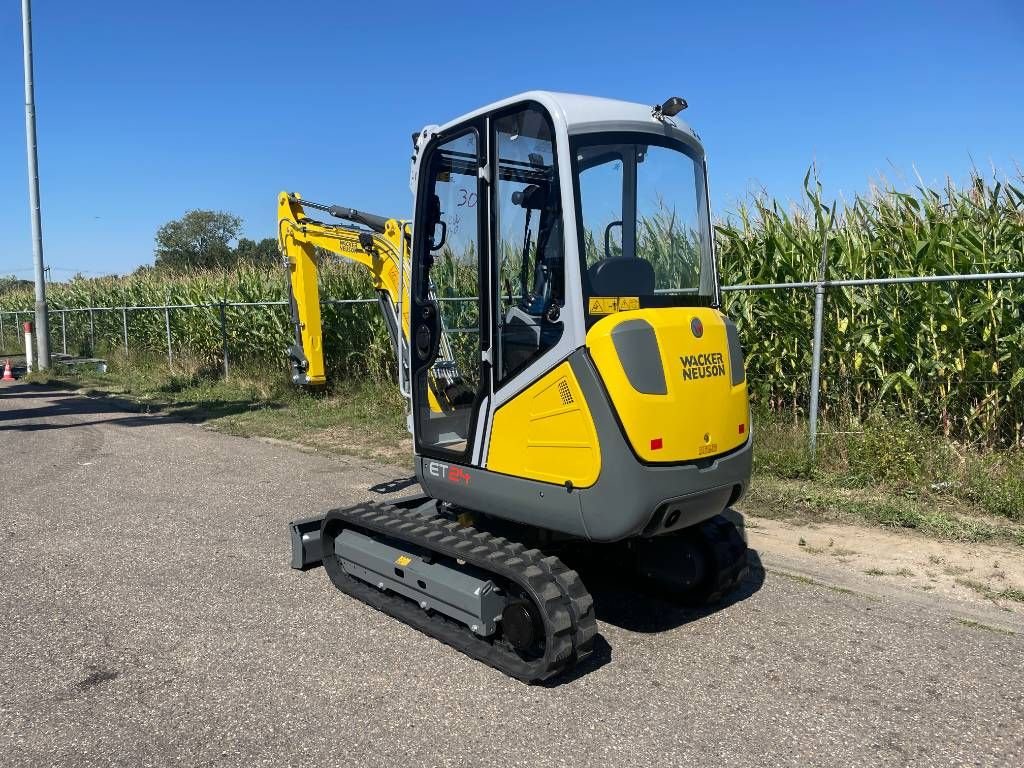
743 428
656 444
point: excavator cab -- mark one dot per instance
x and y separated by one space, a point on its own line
578 290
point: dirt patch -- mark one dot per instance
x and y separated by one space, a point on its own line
971 572
359 442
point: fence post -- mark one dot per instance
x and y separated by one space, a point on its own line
819 310
124 327
224 337
2 330
92 334
812 421
167 325
64 330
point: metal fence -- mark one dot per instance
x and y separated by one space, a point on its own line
9 319
14 316
821 286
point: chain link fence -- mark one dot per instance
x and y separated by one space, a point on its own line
864 342
824 374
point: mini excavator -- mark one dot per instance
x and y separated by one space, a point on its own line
570 377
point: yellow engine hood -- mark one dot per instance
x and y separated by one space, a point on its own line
678 389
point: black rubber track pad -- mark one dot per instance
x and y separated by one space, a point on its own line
565 606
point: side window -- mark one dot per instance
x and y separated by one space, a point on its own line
601 202
529 244
450 275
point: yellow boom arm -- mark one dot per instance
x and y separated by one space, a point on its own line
381 248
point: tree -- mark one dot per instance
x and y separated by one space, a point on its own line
263 253
12 284
198 239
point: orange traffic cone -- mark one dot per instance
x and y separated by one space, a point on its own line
8 376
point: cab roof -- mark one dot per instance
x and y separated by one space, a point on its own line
586 114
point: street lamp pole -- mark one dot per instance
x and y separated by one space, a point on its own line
42 321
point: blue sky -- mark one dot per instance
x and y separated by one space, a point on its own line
146 110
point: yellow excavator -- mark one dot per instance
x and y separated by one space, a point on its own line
570 377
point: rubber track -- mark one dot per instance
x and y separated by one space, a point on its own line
566 606
727 554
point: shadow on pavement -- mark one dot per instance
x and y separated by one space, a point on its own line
620 603
624 605
627 602
66 404
15 391
635 611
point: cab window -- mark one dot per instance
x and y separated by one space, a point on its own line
529 248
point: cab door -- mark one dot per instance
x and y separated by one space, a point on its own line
448 328
530 315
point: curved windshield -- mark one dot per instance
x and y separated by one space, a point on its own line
643 221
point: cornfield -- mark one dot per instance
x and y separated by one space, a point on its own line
355 339
949 355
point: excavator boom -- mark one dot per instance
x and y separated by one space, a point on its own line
381 245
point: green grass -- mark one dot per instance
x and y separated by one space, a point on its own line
364 419
905 572
985 590
887 471
817 501
978 625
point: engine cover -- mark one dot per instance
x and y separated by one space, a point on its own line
675 379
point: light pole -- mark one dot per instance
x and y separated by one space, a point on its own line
42 321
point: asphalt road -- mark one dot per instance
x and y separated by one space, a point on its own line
148 616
